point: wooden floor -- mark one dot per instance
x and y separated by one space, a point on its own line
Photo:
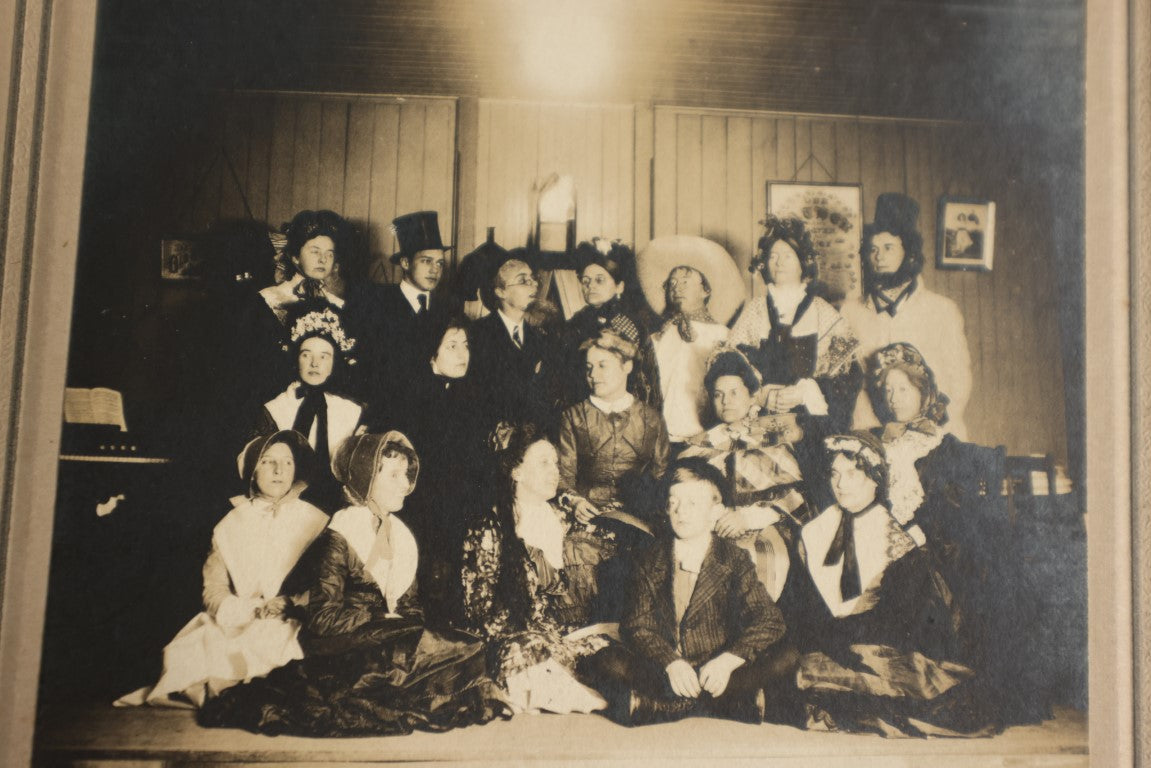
87 737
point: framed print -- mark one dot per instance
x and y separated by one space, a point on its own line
177 259
833 215
966 234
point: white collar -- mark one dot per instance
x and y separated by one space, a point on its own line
412 294
788 299
511 325
614 406
689 554
538 525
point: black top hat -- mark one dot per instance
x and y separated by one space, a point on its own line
419 231
896 213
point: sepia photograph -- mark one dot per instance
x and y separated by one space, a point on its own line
666 382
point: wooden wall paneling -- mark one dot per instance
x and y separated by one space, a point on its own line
281 159
439 164
261 110
467 152
358 167
665 177
615 178
522 157
823 150
764 168
804 164
740 213
689 175
207 173
332 172
589 173
410 158
713 179
306 156
643 154
382 188
481 190
786 161
237 137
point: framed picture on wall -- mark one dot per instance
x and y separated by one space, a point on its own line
178 259
966 237
833 215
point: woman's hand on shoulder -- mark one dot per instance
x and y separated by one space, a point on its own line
274 608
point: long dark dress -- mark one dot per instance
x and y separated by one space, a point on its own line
818 344
367 670
886 661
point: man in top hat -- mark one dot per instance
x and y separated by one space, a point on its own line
897 307
510 356
406 312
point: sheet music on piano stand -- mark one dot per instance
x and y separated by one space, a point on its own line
95 428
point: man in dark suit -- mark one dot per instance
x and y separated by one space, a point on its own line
404 315
701 635
511 359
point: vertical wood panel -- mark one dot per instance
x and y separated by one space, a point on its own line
643 123
482 190
589 170
713 179
625 130
306 164
804 162
439 164
740 212
785 162
765 165
358 174
823 151
262 112
382 195
282 158
237 137
664 183
689 173
333 155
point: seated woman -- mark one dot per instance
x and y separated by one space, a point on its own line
755 454
612 447
614 302
253 587
870 615
371 668
946 493
530 574
308 406
804 349
696 287
446 428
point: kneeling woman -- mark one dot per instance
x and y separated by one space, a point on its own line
250 618
870 614
531 573
371 667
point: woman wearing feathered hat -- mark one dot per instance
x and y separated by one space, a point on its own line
897 307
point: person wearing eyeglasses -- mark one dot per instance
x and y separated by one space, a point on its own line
406 312
614 302
512 359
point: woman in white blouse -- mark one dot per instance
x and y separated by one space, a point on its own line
253 589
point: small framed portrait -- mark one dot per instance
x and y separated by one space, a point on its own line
966 234
178 259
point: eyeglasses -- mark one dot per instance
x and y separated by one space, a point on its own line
523 280
597 280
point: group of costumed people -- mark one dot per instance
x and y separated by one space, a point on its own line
678 502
